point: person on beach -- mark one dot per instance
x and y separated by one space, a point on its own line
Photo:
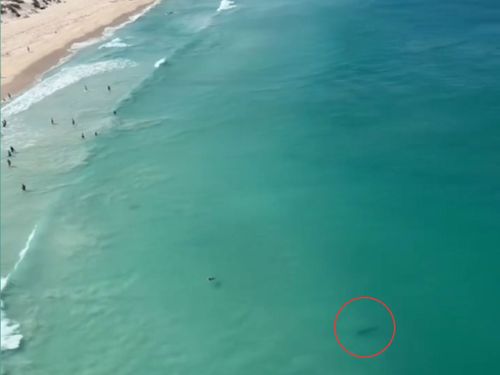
28 49
83 136
9 95
23 187
9 163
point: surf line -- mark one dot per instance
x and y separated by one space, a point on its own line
11 338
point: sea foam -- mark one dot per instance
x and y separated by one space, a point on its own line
10 334
115 43
64 78
160 62
226 5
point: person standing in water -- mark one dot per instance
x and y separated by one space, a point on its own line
9 163
4 123
52 121
23 187
83 136
109 88
12 149
9 153
73 121
86 88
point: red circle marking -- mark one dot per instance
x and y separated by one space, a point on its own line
393 324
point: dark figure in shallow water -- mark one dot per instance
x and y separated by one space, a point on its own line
109 88
9 163
211 278
83 136
9 154
73 121
86 88
4 123
114 113
23 187
12 149
10 96
96 134
52 121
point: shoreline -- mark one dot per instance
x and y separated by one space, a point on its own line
27 77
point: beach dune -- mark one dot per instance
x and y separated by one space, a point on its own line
33 39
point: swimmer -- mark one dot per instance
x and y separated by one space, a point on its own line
4 123
86 88
9 153
109 88
12 149
211 278
52 121
83 136
96 134
73 121
114 113
23 187
9 163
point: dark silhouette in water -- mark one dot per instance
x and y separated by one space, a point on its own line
23 187
367 331
114 112
12 149
9 153
83 136
86 88
96 134
9 163
109 88
4 123
73 121
52 121
211 278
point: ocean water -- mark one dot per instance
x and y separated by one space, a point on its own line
304 153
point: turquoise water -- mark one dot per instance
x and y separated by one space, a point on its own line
302 152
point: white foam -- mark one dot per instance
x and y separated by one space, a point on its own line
64 78
10 334
110 30
160 62
226 5
115 43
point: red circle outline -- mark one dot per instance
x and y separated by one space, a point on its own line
393 324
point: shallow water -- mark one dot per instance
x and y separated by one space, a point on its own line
303 153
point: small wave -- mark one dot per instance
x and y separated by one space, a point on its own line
64 78
10 335
115 43
160 62
226 5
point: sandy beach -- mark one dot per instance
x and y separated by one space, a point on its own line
38 40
